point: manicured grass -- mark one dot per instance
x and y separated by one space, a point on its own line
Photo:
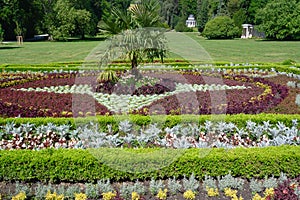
191 48
249 50
45 52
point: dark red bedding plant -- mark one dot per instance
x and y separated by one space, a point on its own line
286 190
45 104
40 104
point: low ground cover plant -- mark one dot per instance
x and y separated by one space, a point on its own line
130 135
283 188
187 92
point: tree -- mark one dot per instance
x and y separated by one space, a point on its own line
169 11
1 33
221 27
254 7
137 36
26 14
136 44
187 7
280 20
143 14
202 16
69 20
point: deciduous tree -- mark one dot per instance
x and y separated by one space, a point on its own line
280 20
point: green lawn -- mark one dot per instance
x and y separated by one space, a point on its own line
45 52
250 50
237 50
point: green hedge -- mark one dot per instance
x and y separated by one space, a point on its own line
121 65
162 120
131 164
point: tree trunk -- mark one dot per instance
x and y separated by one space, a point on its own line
134 61
134 64
82 35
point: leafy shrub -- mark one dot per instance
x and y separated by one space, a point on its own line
181 27
107 76
288 62
221 27
80 165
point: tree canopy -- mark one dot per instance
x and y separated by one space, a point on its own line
280 20
68 18
137 33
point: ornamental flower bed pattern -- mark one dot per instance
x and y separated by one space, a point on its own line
74 94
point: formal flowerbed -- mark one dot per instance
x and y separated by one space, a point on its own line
189 188
73 94
90 149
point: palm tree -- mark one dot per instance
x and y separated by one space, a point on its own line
136 44
140 15
146 13
133 38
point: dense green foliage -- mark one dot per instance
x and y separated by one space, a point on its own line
221 27
90 165
1 33
56 17
63 19
280 20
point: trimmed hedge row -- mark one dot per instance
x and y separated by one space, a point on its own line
66 165
162 120
121 65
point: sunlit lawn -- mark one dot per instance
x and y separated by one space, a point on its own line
238 50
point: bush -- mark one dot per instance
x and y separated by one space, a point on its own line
222 27
71 165
163 121
181 27
288 62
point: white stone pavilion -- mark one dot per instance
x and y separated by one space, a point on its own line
247 31
191 22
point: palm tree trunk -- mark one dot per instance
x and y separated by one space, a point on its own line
134 61
134 64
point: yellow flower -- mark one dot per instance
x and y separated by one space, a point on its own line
236 198
229 192
80 196
135 196
211 192
269 192
53 196
257 197
189 194
20 196
162 195
109 195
